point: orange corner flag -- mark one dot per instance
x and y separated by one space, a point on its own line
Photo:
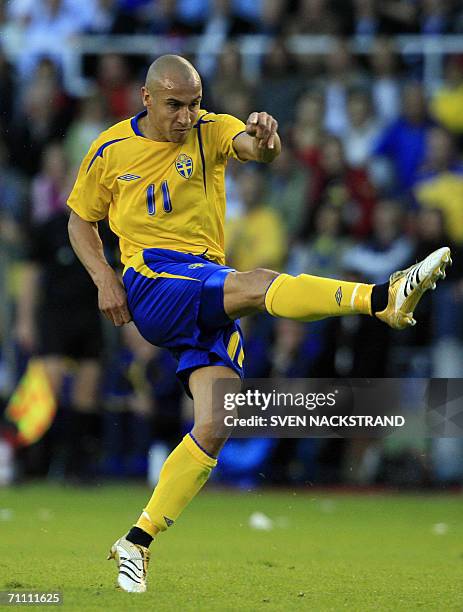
32 407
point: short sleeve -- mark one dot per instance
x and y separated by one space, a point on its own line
89 197
228 129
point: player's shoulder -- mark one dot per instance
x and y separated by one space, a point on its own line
207 117
117 132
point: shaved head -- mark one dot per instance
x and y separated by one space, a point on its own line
172 96
170 72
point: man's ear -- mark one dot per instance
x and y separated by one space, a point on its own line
146 97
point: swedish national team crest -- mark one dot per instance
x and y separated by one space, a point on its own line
184 165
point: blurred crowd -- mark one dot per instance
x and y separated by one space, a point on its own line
230 17
370 180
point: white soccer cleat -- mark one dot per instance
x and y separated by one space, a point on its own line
406 288
132 561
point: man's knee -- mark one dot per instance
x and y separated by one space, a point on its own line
259 282
211 437
245 291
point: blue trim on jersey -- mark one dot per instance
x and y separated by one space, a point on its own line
99 152
201 151
200 447
202 120
134 122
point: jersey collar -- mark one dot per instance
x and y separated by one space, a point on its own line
134 122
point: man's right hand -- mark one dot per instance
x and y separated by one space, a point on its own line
112 298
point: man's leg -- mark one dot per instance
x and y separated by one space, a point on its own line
309 298
183 474
85 420
189 465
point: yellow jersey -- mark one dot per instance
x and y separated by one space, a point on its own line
159 194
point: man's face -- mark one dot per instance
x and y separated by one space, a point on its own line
173 109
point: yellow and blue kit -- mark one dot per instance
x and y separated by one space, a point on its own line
166 203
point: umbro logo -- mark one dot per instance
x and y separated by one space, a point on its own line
169 521
129 177
338 296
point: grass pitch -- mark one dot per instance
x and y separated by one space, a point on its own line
325 552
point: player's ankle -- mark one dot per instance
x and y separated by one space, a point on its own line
360 301
379 297
139 536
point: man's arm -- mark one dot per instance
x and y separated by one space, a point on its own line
260 142
87 245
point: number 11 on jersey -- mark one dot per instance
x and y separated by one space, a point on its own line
151 200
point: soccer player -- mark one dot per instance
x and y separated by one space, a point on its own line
160 178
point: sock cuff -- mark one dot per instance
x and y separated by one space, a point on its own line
361 299
271 290
146 524
198 452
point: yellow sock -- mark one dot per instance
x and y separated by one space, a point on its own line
309 298
183 474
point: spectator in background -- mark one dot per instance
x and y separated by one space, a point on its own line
403 142
111 17
89 122
142 403
214 37
159 17
440 183
190 16
235 206
447 103
307 139
289 360
58 319
287 188
246 17
43 117
384 80
115 85
47 27
231 93
363 129
323 252
339 75
388 249
51 187
313 17
434 17
444 306
259 240
365 18
280 84
336 183
13 216
238 103
13 205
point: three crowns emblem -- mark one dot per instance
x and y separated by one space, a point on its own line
184 165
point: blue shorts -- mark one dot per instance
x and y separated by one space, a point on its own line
176 302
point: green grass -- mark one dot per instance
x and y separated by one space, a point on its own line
326 552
